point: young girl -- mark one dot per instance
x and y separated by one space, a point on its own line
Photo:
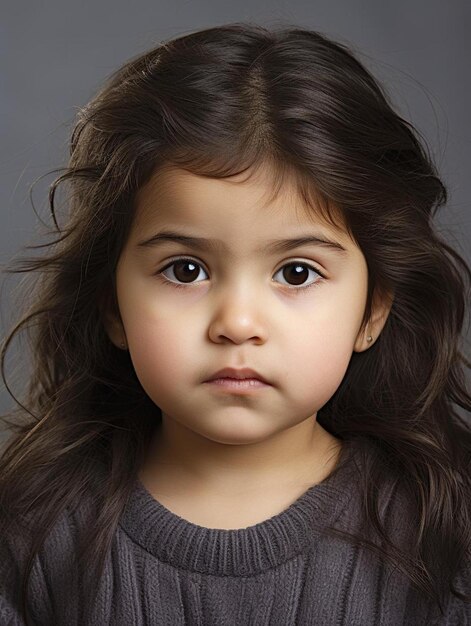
271 440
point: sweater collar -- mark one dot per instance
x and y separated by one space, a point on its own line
239 552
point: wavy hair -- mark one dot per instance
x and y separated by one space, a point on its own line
219 102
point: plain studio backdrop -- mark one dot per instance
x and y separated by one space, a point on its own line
54 55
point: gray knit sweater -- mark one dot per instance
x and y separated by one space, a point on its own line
165 571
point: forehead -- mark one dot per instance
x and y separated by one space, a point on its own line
176 196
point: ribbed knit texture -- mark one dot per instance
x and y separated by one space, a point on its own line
165 571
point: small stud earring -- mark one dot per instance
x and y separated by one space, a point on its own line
123 345
369 338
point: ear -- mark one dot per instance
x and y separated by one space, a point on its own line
111 319
382 303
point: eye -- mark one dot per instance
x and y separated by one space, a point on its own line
298 272
185 270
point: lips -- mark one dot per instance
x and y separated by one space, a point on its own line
239 374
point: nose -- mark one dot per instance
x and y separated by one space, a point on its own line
236 318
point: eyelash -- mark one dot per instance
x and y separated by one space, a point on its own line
159 274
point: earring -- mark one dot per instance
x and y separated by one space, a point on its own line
123 345
369 338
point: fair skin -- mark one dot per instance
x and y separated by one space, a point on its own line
221 459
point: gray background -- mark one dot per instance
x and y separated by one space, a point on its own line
54 55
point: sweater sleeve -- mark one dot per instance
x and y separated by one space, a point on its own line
14 552
9 611
10 581
457 611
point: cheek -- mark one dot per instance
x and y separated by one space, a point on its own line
158 350
158 339
317 363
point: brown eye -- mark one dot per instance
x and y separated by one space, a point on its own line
297 273
186 270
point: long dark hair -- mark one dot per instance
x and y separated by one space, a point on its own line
219 102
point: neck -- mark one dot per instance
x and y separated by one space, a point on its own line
181 460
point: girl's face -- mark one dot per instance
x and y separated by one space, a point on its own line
234 303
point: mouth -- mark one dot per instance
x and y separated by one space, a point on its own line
237 385
238 381
230 375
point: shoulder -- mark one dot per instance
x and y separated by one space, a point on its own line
53 572
16 544
456 610
58 538
399 512
380 493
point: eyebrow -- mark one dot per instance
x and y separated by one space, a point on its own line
273 245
